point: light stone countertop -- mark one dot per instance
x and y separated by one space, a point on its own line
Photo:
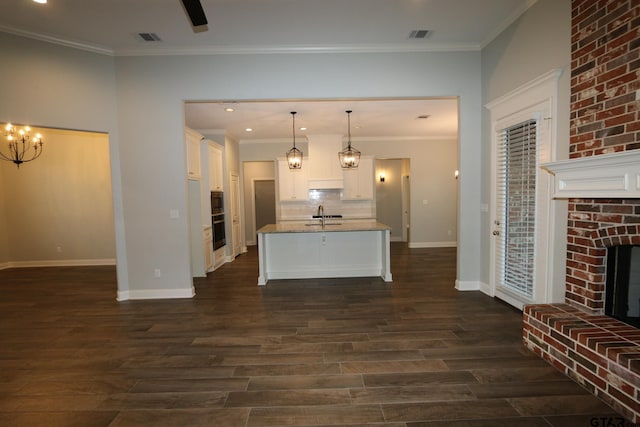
334 225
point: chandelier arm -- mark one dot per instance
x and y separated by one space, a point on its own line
19 149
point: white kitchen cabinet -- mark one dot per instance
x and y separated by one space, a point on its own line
359 182
208 249
215 169
293 184
193 139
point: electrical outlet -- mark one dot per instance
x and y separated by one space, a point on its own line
157 273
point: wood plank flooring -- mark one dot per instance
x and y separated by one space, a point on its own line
357 352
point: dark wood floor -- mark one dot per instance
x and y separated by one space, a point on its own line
305 352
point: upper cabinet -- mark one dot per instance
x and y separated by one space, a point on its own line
359 182
292 183
193 139
215 168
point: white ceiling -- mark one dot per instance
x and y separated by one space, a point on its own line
284 26
374 119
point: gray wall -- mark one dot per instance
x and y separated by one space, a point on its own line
253 170
144 96
536 43
389 195
53 86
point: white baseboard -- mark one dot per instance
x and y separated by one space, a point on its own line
156 294
433 245
59 263
468 285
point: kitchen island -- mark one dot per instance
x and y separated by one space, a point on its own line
305 251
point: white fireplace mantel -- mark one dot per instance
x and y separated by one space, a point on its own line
605 176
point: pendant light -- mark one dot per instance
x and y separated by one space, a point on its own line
294 156
349 157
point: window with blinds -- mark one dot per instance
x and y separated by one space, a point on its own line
516 201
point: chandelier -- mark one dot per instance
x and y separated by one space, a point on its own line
349 157
294 156
21 146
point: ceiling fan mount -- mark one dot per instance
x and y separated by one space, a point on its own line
196 12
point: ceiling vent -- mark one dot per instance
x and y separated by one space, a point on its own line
423 116
149 37
419 34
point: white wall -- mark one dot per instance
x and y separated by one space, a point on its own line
536 43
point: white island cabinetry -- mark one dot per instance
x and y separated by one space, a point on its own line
299 251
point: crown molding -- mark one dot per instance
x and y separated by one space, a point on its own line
242 50
292 49
359 139
57 40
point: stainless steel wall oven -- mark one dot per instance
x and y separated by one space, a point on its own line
217 219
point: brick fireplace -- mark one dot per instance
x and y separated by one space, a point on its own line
599 352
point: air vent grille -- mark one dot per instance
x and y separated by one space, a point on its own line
423 116
149 37
419 34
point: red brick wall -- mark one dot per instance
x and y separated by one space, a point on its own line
605 75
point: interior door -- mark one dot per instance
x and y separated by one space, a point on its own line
265 202
236 224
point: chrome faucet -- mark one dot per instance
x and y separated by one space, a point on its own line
321 214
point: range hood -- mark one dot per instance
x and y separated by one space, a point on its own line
324 167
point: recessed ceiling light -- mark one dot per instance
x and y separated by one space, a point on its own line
303 128
229 110
249 130
40 1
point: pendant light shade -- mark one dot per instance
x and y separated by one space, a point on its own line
294 156
349 157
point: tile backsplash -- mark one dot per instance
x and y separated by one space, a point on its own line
333 205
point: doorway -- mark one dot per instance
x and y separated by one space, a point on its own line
392 196
264 202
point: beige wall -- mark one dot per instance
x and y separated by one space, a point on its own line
4 243
61 200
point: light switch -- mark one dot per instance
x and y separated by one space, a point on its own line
174 214
425 202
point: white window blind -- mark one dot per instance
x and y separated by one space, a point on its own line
516 197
